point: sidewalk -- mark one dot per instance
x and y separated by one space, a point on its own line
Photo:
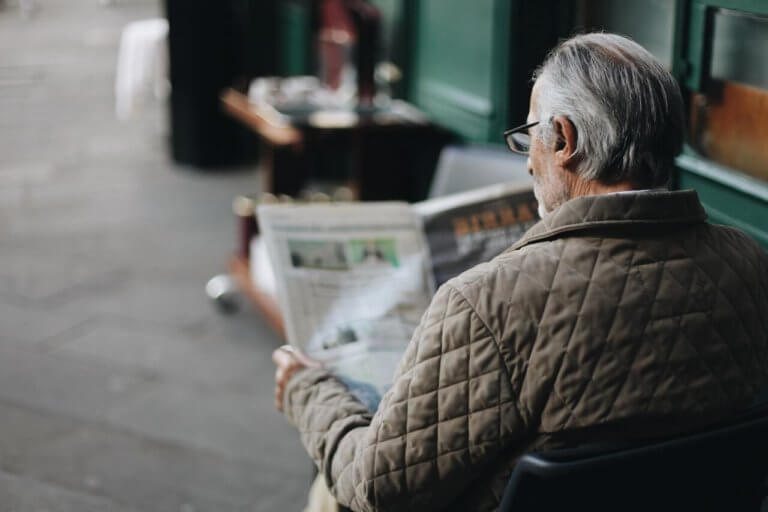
121 388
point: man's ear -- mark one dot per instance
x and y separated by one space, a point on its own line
567 136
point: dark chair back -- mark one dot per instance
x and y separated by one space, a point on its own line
723 469
462 168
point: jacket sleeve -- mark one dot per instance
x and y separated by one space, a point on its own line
450 411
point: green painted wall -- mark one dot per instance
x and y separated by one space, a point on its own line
729 198
294 50
460 64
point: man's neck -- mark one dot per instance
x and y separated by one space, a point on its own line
581 187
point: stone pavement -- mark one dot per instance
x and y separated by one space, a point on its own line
120 387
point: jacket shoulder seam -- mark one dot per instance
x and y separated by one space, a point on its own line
505 368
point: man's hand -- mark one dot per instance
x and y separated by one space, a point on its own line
288 361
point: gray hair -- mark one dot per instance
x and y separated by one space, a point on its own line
626 108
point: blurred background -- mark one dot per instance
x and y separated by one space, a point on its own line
136 138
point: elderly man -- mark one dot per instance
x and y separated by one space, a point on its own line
622 314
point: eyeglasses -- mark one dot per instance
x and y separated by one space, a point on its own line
518 139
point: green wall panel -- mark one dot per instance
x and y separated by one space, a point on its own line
729 197
457 51
295 30
460 64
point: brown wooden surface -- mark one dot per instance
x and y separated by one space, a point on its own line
276 132
264 302
730 126
386 155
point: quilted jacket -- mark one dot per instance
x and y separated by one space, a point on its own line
621 315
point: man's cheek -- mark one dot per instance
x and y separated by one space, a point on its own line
537 193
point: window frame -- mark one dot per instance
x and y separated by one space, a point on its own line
729 195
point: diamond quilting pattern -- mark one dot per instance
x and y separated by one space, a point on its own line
613 309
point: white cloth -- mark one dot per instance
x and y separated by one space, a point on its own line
142 66
320 498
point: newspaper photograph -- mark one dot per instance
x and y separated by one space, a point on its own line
352 282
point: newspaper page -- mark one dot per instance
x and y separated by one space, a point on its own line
353 282
466 229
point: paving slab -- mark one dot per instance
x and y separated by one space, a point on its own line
203 358
86 458
34 327
20 494
241 426
67 385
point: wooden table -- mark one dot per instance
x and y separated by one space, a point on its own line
276 131
388 153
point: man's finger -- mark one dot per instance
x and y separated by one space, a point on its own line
283 356
306 360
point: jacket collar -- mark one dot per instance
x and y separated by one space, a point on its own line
616 210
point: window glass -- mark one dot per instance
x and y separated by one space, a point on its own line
729 117
740 48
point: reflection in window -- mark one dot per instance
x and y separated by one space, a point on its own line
729 118
655 33
740 48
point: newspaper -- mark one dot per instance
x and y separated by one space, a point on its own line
354 279
464 230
